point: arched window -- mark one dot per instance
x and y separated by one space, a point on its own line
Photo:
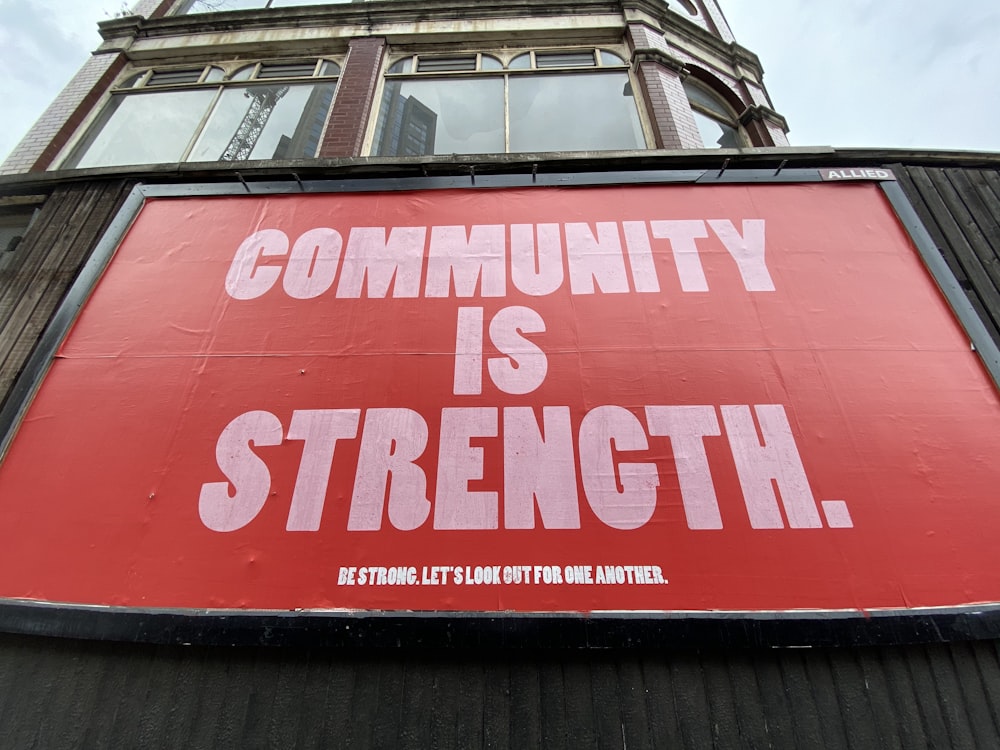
264 110
685 6
717 123
541 100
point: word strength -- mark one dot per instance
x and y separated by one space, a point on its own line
544 463
506 575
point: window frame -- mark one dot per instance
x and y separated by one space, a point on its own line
505 56
733 120
140 81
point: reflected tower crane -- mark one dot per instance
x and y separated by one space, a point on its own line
263 101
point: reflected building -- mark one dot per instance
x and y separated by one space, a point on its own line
406 127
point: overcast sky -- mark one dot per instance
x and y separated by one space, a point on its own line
900 73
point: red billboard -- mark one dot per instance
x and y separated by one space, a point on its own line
645 398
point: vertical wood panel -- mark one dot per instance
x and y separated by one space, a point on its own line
68 227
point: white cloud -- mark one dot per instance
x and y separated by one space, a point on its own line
42 44
898 73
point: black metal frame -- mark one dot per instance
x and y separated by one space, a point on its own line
380 629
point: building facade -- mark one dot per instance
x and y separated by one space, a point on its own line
264 262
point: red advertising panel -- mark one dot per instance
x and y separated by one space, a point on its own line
648 398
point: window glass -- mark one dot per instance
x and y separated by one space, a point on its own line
401 66
551 100
214 6
265 122
716 124
715 134
279 113
145 128
685 5
564 59
450 116
521 62
446 64
698 95
573 113
14 224
491 63
243 74
607 58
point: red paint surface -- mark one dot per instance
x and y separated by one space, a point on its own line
890 410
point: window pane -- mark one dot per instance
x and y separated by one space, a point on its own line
457 116
214 6
609 58
521 62
287 70
564 59
145 128
715 134
583 112
175 77
709 101
265 122
401 66
491 63
445 64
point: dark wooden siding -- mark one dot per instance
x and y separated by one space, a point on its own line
961 210
67 693
47 260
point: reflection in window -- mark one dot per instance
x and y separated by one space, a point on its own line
14 223
583 101
716 123
457 116
573 113
282 118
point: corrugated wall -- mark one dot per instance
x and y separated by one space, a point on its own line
58 693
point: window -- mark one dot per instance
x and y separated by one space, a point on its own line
686 5
560 100
269 110
14 223
215 6
717 124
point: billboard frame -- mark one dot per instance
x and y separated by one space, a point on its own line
789 628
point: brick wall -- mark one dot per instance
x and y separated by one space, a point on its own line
668 103
710 8
673 122
352 105
152 8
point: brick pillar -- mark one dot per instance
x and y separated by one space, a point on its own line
58 123
661 79
352 105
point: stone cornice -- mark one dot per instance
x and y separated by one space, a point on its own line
653 54
761 113
352 14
